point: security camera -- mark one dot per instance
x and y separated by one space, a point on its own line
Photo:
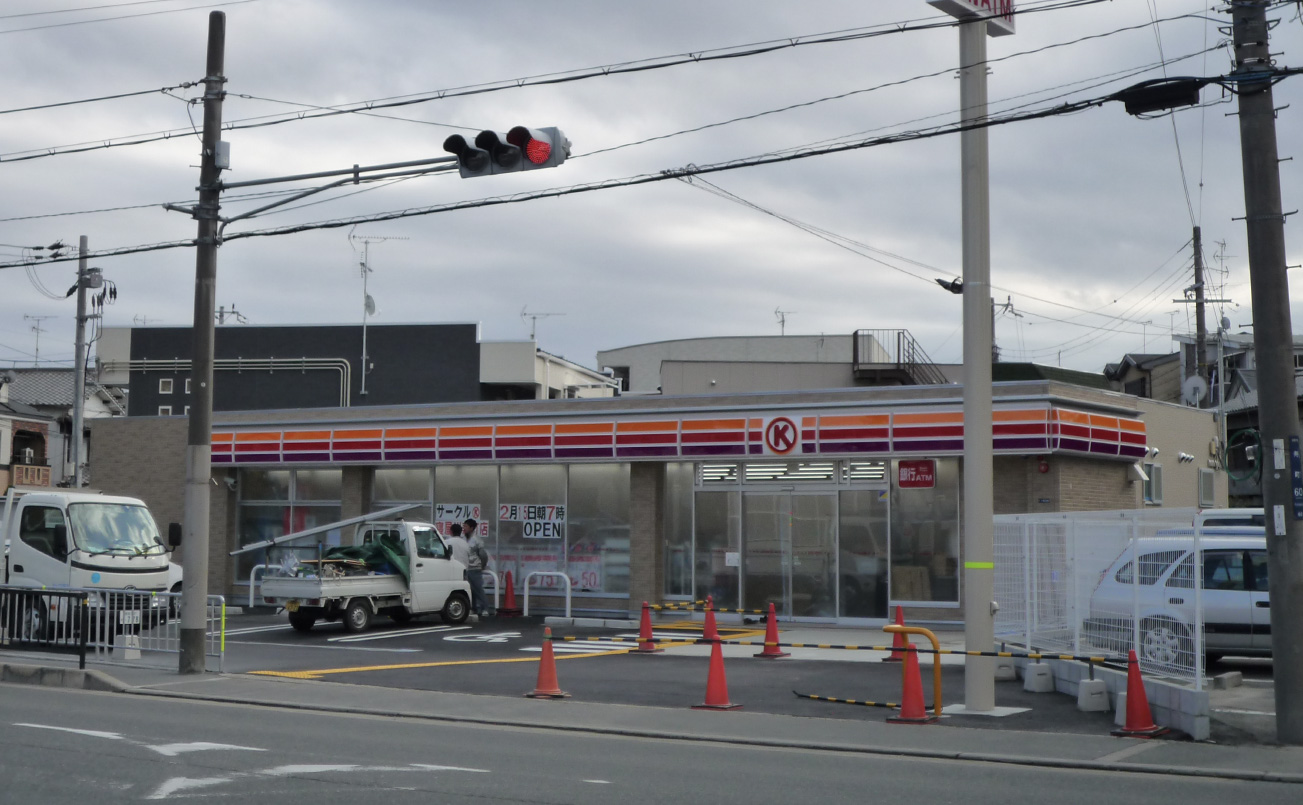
230 483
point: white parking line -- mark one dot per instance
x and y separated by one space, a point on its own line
398 633
278 627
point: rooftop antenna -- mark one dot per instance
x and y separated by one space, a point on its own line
368 304
38 329
533 319
223 314
782 315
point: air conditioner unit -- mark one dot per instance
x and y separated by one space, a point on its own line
29 455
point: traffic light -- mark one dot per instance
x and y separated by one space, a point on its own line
520 149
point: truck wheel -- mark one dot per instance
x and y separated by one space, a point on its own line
303 621
358 615
456 609
35 625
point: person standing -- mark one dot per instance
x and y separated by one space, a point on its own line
457 544
477 560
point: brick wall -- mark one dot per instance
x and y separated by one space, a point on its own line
1093 485
646 515
144 457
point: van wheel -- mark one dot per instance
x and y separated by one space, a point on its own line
456 609
303 621
1165 643
357 617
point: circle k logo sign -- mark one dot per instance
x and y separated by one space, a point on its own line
781 435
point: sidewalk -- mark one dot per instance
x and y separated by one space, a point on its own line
1050 749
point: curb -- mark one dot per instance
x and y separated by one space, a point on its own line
56 677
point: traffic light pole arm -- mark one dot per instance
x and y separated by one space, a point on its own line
354 171
313 191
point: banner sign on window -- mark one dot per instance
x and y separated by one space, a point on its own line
538 520
917 474
445 514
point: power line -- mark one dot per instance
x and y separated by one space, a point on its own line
164 90
673 173
656 63
125 16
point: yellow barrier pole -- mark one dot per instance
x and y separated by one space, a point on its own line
936 660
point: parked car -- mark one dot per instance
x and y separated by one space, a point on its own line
1234 597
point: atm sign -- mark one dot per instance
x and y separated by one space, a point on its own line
916 474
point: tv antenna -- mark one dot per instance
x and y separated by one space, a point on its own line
223 314
782 315
368 304
533 319
38 329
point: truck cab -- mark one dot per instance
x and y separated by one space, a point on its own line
86 540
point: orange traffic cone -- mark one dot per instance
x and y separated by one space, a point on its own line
708 630
546 687
646 644
508 608
771 638
912 708
898 642
1140 723
716 684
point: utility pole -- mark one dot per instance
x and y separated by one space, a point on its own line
1200 329
1274 347
194 592
79 366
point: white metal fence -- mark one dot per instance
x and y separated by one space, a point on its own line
121 627
1068 583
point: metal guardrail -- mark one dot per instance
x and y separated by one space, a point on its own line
554 574
878 350
45 620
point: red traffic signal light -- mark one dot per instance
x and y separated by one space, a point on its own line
521 148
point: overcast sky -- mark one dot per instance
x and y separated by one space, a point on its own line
1091 213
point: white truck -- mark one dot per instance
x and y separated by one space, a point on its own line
400 569
56 539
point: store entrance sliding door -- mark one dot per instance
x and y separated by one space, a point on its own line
789 553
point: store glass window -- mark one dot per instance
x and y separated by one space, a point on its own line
597 528
401 485
532 521
862 553
925 530
717 558
468 491
677 524
274 503
264 485
318 484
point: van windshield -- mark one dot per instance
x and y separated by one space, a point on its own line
114 528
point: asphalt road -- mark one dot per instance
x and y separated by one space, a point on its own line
60 747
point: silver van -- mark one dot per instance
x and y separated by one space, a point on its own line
1154 583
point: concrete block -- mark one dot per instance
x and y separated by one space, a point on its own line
1092 696
1038 678
1230 679
1005 670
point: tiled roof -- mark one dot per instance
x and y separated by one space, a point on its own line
51 387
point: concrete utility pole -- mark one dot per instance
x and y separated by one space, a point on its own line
1200 329
198 459
1274 346
979 509
79 366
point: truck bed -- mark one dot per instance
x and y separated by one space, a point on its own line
309 588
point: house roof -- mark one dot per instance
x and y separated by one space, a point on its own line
49 387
